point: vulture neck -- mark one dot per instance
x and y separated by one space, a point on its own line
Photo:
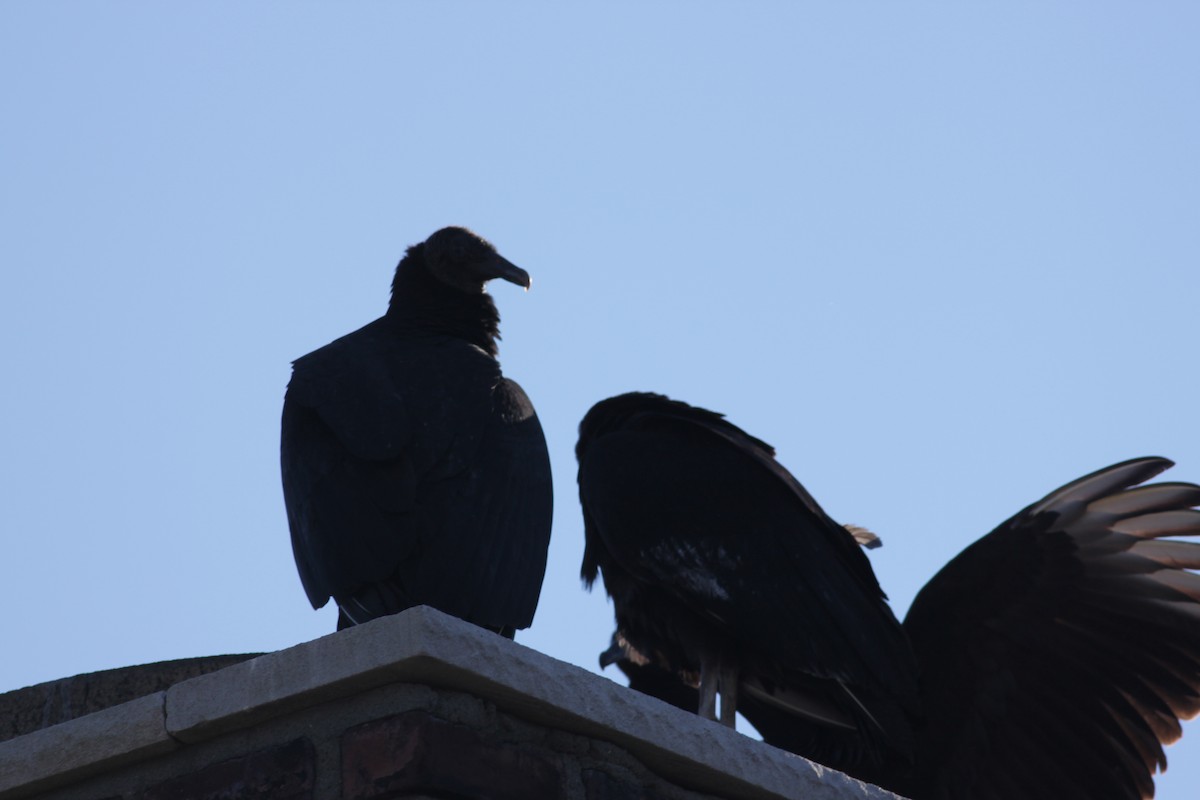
422 303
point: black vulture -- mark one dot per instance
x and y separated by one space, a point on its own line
413 471
723 569
1056 655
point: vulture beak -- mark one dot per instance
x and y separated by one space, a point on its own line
501 267
612 655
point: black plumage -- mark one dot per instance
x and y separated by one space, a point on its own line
777 725
1060 652
1057 654
413 471
723 569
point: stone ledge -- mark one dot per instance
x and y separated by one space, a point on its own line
70 750
30 709
424 646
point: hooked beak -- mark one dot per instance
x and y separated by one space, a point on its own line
612 655
501 267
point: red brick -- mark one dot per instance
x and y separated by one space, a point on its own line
417 753
278 773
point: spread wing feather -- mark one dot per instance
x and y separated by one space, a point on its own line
1059 652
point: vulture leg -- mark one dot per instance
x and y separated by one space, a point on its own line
709 678
729 695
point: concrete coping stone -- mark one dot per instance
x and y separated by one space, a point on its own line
424 646
103 740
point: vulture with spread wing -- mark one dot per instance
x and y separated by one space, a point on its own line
1053 658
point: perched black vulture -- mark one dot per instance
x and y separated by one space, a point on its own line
413 471
1057 654
722 568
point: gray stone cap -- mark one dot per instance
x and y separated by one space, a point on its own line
30 709
423 646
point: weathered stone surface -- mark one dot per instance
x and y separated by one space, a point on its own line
424 646
333 666
104 740
35 707
278 773
508 693
415 753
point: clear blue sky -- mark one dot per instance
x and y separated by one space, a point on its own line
942 256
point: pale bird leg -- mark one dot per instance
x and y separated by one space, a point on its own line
709 678
729 695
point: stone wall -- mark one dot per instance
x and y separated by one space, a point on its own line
419 705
